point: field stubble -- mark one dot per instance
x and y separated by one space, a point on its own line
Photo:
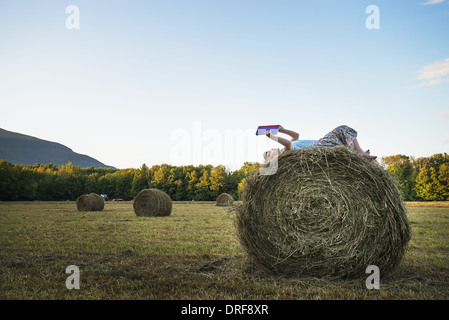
191 254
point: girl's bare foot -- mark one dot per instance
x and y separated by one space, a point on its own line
368 155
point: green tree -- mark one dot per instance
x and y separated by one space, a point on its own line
192 180
217 181
232 183
443 178
437 160
246 170
179 183
141 180
123 184
403 170
91 183
427 185
202 192
433 178
9 182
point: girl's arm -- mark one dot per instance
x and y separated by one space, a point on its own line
286 143
293 134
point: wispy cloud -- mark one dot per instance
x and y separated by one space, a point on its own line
443 115
429 2
435 73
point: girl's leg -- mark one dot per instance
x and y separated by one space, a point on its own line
358 149
341 135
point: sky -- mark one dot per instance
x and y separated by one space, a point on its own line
189 81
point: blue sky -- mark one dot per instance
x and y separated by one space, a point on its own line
189 81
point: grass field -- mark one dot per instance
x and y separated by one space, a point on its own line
192 254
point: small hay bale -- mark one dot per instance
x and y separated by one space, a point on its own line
90 202
224 200
326 212
152 203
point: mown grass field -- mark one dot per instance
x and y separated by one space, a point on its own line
192 254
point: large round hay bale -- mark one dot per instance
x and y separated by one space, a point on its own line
90 202
224 200
326 212
152 203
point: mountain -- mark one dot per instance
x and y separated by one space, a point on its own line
27 150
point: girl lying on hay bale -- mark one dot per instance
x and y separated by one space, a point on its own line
342 135
326 212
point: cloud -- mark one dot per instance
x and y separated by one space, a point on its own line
443 115
435 73
429 2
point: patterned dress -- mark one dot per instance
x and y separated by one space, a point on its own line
341 135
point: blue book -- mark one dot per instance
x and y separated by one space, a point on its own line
263 129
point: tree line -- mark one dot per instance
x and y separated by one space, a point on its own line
48 182
421 179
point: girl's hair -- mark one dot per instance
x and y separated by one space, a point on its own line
265 156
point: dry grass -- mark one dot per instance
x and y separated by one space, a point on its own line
428 204
192 254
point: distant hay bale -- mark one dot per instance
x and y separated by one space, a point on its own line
152 203
224 200
90 202
326 212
